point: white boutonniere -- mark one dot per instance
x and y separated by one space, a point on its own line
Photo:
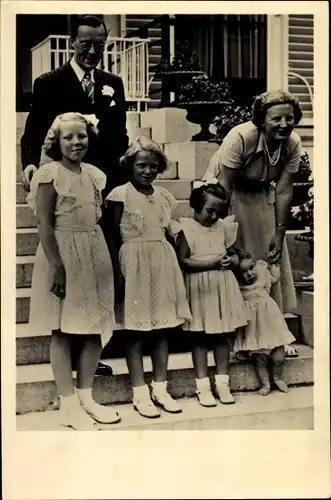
109 92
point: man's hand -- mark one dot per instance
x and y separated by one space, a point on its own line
27 175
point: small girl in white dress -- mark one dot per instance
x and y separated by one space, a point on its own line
72 283
154 291
266 332
213 292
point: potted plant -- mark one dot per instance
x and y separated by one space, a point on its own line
203 100
231 116
304 213
302 183
181 69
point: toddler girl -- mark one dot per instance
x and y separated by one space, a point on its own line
72 283
213 292
154 291
266 332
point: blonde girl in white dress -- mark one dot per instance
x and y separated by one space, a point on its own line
154 291
72 283
213 292
266 333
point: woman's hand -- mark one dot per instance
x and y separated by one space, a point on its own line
225 262
275 248
58 277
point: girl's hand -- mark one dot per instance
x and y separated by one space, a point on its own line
59 281
225 262
275 248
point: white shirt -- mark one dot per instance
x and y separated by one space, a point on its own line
79 71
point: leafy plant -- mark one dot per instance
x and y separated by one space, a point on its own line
185 59
304 213
304 173
231 116
202 89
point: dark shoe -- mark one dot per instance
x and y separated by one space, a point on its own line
104 370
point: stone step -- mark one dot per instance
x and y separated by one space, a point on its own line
24 216
36 390
26 241
278 411
31 349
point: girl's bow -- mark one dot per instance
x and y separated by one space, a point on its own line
197 184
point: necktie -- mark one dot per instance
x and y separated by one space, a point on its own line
88 85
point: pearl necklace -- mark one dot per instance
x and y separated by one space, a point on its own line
274 158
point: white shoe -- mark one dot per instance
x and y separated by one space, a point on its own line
223 389
161 397
72 415
143 404
100 413
204 393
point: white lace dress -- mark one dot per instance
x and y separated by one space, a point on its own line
88 307
214 297
155 295
266 328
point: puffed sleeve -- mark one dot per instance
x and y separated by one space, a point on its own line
230 154
264 274
117 194
230 231
294 149
168 203
44 175
97 176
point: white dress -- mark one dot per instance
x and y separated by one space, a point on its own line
266 328
88 307
155 295
215 300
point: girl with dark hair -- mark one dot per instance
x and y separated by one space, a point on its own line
256 164
213 293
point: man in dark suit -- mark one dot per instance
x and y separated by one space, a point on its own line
79 86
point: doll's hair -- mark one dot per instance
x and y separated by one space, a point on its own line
52 144
143 144
199 195
266 100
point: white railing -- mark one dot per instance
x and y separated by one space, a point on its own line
125 57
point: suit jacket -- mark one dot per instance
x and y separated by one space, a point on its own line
59 91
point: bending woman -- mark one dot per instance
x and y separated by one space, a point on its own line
256 164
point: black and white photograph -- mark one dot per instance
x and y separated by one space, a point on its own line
164 261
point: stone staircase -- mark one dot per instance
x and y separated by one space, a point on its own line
36 390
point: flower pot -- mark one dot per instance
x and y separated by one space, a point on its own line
175 79
202 113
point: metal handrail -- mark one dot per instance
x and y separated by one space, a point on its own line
305 81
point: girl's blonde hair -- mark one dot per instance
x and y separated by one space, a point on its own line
51 145
143 144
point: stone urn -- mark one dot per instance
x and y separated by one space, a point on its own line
202 113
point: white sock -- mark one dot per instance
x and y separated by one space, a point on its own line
221 379
69 401
141 392
202 383
159 386
85 396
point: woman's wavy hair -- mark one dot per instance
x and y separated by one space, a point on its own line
51 145
268 99
142 144
198 195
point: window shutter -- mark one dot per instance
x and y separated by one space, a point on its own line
301 60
